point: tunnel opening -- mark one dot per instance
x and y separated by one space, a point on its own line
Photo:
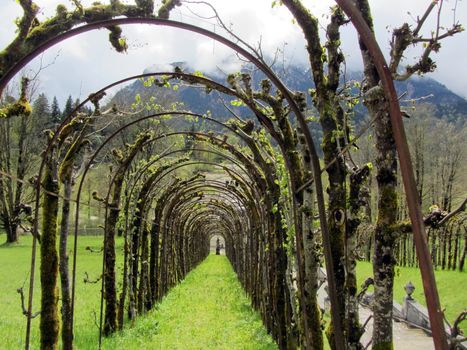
217 245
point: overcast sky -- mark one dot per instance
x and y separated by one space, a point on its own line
86 63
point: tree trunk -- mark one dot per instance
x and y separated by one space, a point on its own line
385 238
11 231
67 330
154 262
144 271
456 248
311 259
49 323
357 180
121 304
464 252
110 288
386 165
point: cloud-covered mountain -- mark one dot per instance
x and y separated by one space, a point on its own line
416 90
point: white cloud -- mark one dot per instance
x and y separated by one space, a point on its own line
87 63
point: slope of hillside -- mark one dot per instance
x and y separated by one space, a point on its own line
416 90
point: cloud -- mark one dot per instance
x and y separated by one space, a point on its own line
88 63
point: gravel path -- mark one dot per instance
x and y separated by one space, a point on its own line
405 337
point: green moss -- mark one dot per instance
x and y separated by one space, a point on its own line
167 6
115 38
330 335
383 346
22 107
387 203
61 10
364 7
49 323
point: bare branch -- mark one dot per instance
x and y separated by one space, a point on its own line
456 211
87 280
23 307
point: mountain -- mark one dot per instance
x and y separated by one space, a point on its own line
416 90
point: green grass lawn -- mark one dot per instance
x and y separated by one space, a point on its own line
451 287
208 310
14 271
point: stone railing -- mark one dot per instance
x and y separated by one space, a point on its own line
410 312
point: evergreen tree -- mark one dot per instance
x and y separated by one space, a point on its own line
41 112
76 104
68 107
55 113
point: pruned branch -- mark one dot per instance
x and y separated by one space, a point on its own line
456 211
456 333
435 219
23 307
94 250
404 36
368 282
87 280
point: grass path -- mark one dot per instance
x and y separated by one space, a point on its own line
208 310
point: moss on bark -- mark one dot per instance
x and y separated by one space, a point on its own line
49 323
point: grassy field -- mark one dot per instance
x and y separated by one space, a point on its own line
14 272
207 310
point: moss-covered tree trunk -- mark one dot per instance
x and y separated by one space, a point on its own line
331 114
67 330
125 282
110 288
143 301
386 177
337 211
311 257
385 236
357 182
109 278
154 262
49 322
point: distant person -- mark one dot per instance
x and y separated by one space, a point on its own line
218 247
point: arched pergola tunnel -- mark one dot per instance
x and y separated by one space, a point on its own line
247 209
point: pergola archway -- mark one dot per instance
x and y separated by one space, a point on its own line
405 164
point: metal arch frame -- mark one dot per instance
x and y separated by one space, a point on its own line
352 12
